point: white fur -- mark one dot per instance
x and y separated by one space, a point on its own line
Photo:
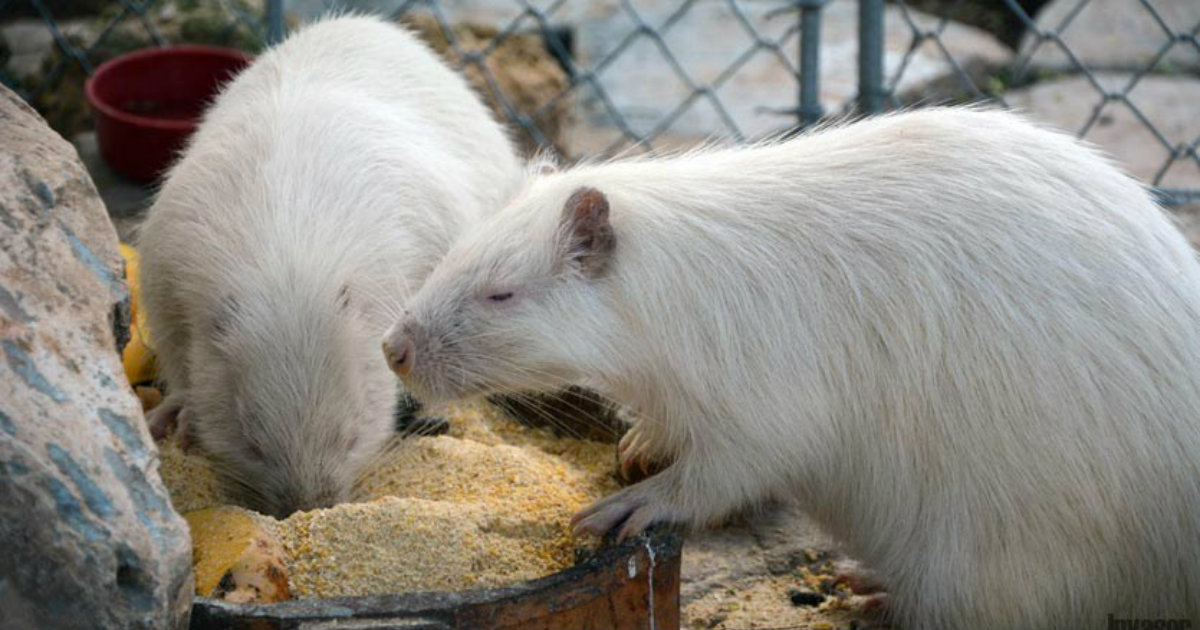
969 346
348 156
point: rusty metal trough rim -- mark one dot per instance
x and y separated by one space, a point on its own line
436 604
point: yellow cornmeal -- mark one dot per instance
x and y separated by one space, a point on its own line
189 478
485 505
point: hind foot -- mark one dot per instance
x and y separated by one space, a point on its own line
865 583
859 579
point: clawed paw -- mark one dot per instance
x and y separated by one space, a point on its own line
626 509
860 580
867 584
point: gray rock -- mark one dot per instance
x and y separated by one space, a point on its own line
1168 102
1114 34
89 536
30 42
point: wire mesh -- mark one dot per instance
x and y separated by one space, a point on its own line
644 75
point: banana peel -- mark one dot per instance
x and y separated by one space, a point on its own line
237 557
137 358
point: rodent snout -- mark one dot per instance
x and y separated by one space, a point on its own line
400 352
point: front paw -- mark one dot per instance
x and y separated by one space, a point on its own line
633 509
169 418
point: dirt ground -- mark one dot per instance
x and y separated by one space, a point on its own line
746 574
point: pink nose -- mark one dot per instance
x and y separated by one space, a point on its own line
400 354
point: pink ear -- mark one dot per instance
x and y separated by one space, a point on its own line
589 234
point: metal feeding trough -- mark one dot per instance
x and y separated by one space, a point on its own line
631 585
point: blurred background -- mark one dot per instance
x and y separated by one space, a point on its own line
595 78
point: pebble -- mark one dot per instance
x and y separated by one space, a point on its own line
806 598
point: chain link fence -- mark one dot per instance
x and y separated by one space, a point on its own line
603 77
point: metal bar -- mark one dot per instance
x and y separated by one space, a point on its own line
871 91
274 21
1176 196
810 110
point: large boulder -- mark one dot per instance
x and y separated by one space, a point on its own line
89 536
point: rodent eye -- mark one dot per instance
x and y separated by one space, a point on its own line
257 453
500 297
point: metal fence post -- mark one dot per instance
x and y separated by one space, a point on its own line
810 110
274 21
870 56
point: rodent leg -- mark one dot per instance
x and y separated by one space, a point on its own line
859 579
631 451
162 419
169 417
863 581
629 506
636 453
634 508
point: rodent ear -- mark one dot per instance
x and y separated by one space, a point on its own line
589 235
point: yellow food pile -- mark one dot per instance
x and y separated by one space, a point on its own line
486 505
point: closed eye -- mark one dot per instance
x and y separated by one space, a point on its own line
500 297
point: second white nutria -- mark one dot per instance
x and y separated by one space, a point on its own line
969 346
320 189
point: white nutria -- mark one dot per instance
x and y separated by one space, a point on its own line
322 186
969 346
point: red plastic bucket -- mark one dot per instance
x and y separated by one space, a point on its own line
146 103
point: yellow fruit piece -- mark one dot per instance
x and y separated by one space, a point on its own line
236 558
136 358
150 397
